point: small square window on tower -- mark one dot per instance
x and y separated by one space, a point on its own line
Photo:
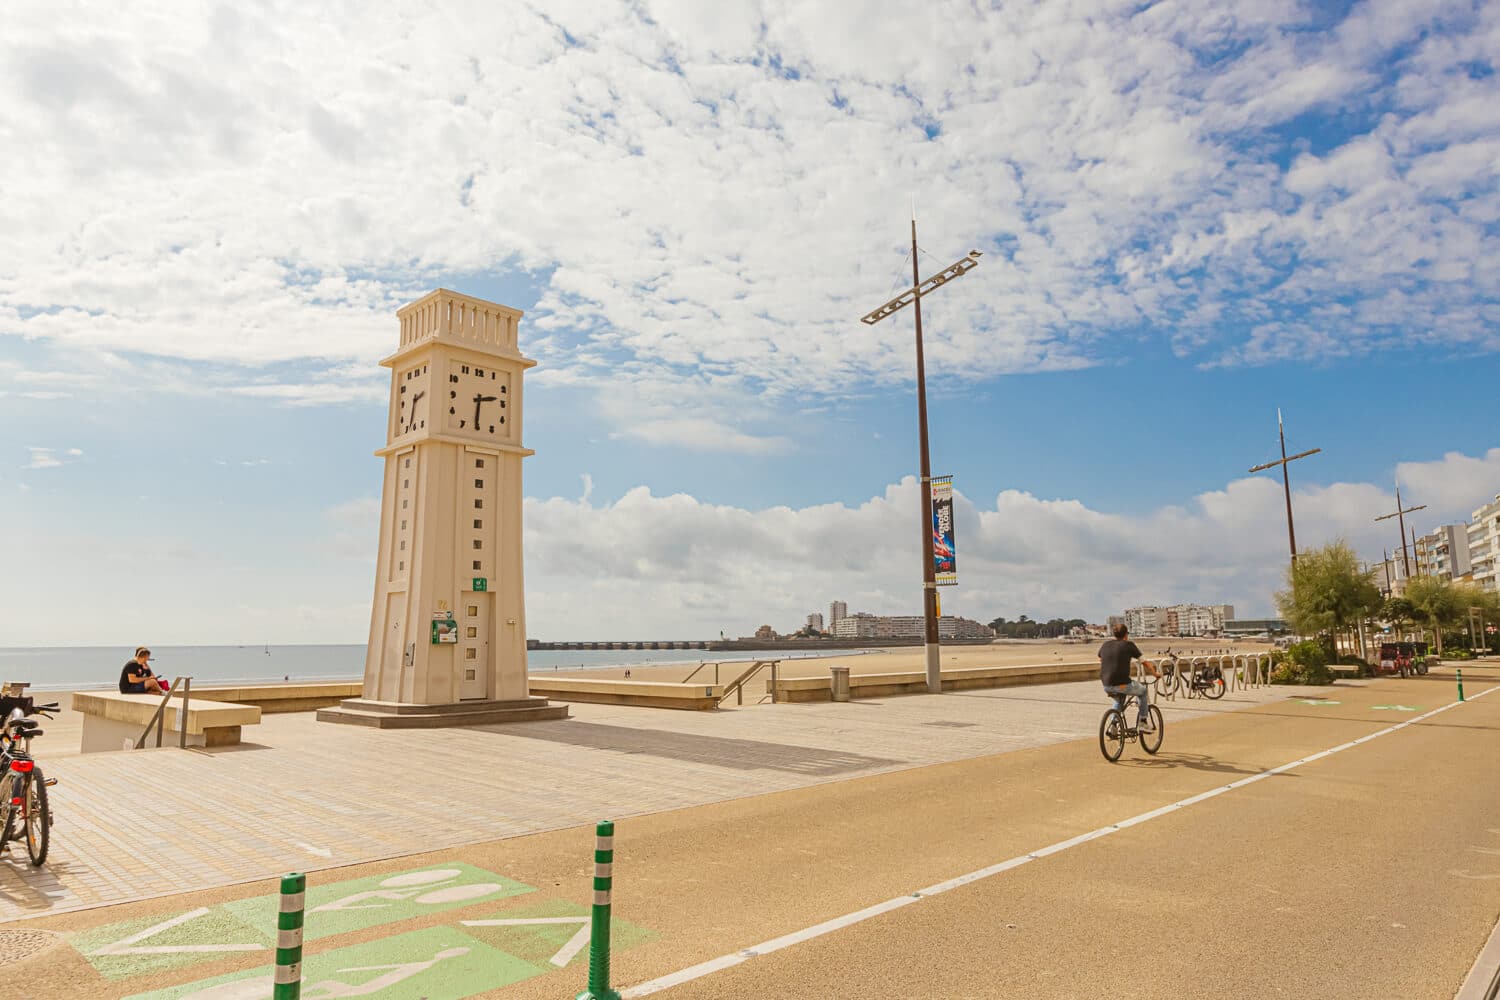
479 505
476 565
477 544
478 523
473 611
478 483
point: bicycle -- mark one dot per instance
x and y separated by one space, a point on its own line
1115 731
1206 681
23 787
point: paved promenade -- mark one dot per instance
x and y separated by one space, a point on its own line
309 795
1311 843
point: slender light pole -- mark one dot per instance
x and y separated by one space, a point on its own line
913 297
1400 514
1286 482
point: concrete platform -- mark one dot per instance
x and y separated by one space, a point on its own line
400 715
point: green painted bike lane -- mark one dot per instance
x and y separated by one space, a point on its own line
450 962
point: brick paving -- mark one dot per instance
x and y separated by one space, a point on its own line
304 795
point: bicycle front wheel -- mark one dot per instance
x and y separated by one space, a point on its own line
11 812
1151 742
1112 735
37 818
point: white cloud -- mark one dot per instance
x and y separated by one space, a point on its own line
674 566
1452 486
725 193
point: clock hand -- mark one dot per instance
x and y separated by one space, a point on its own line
479 400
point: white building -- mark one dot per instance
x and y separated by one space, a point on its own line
836 611
1483 538
1180 619
1146 622
866 626
1445 552
815 621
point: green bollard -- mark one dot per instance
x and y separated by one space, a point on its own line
604 860
288 984
1460 683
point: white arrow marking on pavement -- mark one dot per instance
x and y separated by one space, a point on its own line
566 953
321 852
127 946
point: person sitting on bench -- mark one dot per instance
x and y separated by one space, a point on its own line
136 676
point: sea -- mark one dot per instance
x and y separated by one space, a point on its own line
80 668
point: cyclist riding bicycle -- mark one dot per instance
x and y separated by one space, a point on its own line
1114 673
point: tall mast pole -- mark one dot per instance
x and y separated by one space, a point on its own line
929 574
1286 486
1401 520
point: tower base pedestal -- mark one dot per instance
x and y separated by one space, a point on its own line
401 715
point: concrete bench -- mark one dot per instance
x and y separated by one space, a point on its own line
968 678
284 697
647 694
111 720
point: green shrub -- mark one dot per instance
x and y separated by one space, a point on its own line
1305 663
1458 654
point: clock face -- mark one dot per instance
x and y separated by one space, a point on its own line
478 400
413 400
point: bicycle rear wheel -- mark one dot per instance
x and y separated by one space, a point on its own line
1213 684
37 817
1151 742
1112 735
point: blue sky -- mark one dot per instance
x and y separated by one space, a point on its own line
1189 218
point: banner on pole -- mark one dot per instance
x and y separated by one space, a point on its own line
944 553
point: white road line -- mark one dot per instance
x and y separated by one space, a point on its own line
838 923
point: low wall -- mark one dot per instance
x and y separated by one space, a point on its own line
646 694
886 685
274 698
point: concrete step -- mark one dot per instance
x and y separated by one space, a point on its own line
377 715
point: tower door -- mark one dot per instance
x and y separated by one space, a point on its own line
473 645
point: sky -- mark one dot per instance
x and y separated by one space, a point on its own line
1191 215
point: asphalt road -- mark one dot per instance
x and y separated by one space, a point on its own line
1374 872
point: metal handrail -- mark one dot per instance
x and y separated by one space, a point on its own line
737 686
159 717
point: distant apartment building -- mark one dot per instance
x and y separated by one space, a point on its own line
1444 553
1389 576
1113 621
1177 620
815 621
1146 622
836 611
866 626
1483 537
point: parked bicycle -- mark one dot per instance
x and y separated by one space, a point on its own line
1115 730
23 788
1205 681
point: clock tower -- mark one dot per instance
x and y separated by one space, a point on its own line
448 623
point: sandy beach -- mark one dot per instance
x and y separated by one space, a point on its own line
1008 652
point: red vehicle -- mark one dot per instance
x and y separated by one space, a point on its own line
1405 658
